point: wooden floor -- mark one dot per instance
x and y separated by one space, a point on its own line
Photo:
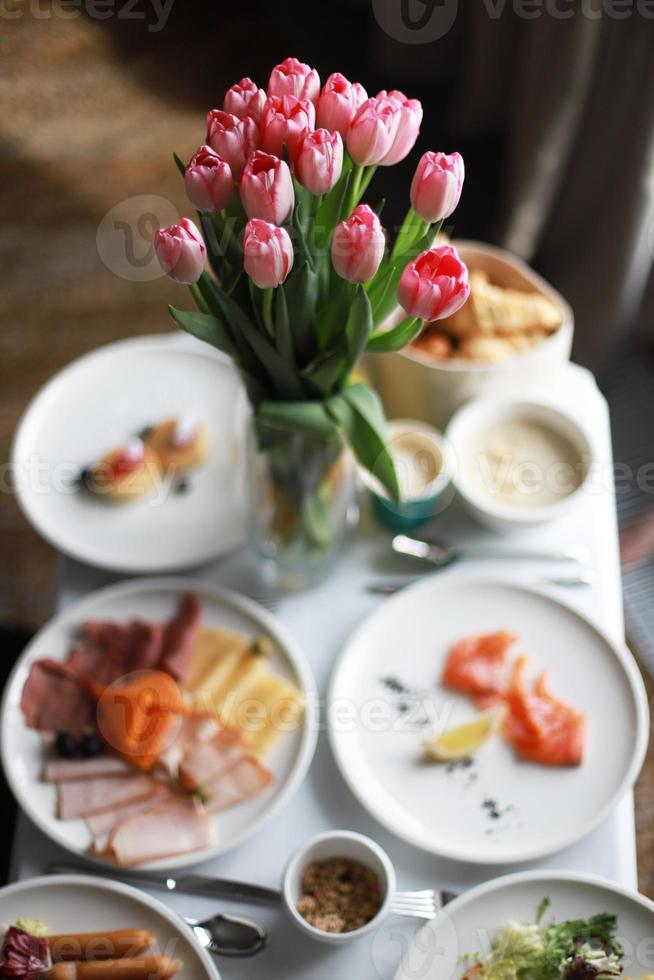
81 135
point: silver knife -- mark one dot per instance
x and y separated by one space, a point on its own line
238 891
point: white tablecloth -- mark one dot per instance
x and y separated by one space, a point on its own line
321 621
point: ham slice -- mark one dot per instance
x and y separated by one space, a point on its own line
160 832
204 762
179 636
84 797
247 778
102 824
65 770
54 700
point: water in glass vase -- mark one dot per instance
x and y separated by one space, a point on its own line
303 503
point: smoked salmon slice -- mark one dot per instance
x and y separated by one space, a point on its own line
540 727
476 665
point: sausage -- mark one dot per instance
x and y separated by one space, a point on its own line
137 968
99 945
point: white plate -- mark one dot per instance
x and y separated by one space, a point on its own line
100 401
22 748
78 903
470 922
541 809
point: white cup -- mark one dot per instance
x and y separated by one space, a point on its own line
338 844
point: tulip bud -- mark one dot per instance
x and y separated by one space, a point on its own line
181 251
434 285
293 77
233 138
268 253
208 180
436 185
267 188
408 128
358 245
373 130
319 160
245 99
282 123
338 102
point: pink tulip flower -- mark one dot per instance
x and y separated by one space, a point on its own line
408 128
233 138
208 180
282 122
373 130
318 160
267 188
436 185
245 99
181 251
358 245
293 77
434 285
338 102
267 252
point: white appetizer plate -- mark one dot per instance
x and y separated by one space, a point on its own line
78 903
102 400
469 923
499 809
156 599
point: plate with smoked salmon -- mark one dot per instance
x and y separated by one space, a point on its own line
74 927
158 723
486 721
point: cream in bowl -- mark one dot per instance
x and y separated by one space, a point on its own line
338 886
518 462
423 466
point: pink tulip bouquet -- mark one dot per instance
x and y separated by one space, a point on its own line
295 279
293 276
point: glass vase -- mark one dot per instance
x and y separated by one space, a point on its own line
302 503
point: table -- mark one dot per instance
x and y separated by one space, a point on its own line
321 621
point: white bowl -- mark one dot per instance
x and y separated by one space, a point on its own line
335 844
480 414
412 386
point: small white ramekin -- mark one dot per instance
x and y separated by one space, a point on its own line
338 844
481 413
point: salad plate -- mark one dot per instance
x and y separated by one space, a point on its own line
81 904
386 696
154 600
502 914
102 401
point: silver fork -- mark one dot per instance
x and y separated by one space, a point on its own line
423 904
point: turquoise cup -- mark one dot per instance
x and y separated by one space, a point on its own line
423 464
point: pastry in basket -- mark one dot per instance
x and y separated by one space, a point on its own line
492 325
492 309
180 444
124 474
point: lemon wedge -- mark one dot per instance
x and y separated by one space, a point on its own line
464 740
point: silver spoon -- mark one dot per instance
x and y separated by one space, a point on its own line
441 555
229 935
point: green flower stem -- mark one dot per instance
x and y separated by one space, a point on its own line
200 302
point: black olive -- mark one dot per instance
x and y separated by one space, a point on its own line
91 745
66 745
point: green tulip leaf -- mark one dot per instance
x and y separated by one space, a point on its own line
359 413
395 339
310 417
